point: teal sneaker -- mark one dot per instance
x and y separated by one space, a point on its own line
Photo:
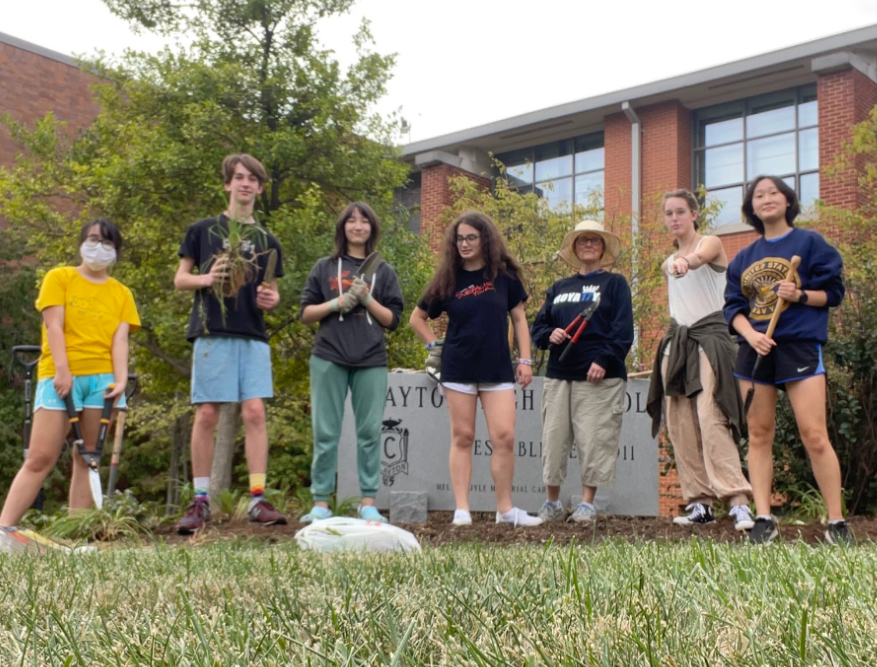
317 513
370 513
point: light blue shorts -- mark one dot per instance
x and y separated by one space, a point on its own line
231 370
88 392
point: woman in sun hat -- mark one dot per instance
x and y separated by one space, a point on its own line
583 394
693 369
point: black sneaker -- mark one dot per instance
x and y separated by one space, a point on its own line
838 532
698 515
763 531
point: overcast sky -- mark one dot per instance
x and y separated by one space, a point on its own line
463 63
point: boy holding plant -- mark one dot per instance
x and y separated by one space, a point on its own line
231 362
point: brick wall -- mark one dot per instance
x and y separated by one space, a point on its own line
435 195
33 85
845 98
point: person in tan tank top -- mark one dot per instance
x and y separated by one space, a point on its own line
703 420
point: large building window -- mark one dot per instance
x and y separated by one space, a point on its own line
566 173
774 134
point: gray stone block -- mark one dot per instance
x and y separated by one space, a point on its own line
408 506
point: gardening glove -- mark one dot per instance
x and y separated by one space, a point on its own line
362 291
347 302
434 361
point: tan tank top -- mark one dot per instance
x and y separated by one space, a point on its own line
698 293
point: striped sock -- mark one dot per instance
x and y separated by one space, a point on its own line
202 488
257 484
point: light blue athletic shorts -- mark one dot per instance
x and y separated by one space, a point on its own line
230 370
88 392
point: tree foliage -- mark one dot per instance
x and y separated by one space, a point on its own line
247 77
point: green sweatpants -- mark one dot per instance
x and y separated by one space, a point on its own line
368 393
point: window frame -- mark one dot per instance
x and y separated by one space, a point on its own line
743 109
593 141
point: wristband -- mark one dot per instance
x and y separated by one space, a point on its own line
368 299
526 362
333 305
434 344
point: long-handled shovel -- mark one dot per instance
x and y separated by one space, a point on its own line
119 436
23 355
782 304
91 457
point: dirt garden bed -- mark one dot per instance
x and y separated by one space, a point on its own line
439 531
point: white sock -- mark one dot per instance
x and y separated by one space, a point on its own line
201 484
587 504
462 514
556 504
508 515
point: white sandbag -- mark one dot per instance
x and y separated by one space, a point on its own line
343 533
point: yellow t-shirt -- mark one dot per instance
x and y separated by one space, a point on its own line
92 313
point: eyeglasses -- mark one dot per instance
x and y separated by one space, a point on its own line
469 238
589 240
105 243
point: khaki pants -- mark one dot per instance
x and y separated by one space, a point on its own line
588 413
706 454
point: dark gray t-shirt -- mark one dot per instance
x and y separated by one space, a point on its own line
358 339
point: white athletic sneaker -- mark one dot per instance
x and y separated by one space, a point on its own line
462 518
742 517
518 517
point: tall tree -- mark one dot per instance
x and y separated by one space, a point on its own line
247 76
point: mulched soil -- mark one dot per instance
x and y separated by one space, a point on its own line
438 531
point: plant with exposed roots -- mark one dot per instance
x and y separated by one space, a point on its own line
242 244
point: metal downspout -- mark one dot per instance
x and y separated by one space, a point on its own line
636 146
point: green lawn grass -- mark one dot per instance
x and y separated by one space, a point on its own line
240 603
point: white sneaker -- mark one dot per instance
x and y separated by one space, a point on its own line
742 517
518 517
462 518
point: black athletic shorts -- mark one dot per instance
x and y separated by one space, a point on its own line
787 362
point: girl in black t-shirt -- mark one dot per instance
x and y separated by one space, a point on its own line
478 284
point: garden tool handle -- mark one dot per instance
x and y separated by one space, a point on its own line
782 304
74 419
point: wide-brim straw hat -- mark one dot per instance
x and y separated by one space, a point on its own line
611 244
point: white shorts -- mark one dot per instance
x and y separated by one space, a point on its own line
472 388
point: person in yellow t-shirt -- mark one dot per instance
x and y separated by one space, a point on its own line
87 316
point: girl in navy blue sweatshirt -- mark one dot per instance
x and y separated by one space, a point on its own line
792 358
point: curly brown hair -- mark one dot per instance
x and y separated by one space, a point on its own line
497 257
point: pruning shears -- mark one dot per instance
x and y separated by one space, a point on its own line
581 321
92 456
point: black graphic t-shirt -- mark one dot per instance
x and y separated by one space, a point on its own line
476 347
243 319
606 339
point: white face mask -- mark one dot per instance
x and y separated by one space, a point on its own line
96 257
